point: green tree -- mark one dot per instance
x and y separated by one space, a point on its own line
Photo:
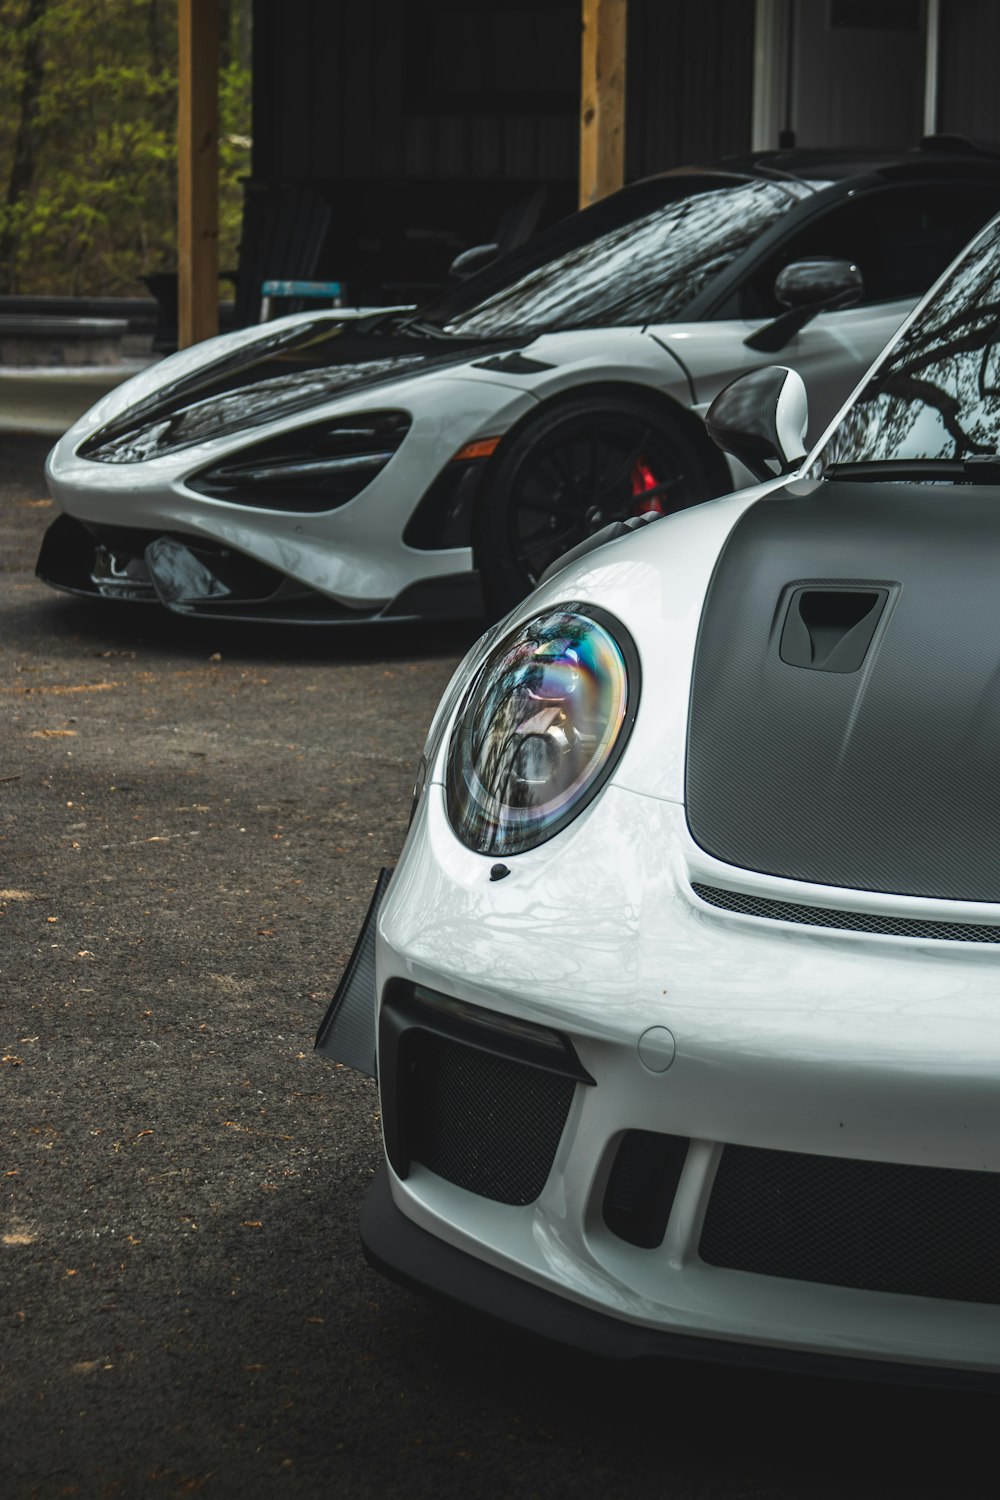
88 122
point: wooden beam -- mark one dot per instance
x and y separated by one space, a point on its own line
602 98
197 170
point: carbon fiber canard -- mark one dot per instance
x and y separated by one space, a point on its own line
347 1031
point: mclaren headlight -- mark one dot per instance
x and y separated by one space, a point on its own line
310 469
541 728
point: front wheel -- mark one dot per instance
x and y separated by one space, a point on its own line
570 471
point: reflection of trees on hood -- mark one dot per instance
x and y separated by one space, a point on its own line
649 268
937 393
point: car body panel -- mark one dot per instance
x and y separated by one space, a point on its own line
827 353
877 1048
355 554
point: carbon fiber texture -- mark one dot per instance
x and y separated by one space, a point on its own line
884 778
347 1032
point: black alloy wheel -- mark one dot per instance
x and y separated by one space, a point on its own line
568 473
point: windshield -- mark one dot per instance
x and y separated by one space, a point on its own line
936 394
640 256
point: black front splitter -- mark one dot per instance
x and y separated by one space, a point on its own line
402 1250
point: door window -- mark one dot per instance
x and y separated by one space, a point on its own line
901 239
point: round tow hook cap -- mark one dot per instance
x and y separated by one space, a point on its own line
657 1049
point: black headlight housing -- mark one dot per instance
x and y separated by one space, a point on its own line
309 470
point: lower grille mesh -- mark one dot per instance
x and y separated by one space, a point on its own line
483 1122
846 921
644 1178
925 1231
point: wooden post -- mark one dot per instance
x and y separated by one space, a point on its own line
602 99
197 170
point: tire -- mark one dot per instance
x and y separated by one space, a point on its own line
570 470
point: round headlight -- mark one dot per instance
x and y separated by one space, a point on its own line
541 728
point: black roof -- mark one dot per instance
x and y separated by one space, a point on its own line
835 164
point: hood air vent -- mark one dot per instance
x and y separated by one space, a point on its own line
830 629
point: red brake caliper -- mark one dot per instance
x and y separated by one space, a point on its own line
642 479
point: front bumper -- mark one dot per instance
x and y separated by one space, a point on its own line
843 1045
398 1248
203 579
349 562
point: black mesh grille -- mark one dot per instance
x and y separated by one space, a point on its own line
484 1122
642 1185
846 921
926 1231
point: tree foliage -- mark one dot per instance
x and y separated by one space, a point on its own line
88 142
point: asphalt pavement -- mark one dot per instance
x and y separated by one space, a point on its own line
191 821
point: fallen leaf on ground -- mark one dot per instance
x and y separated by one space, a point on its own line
61 688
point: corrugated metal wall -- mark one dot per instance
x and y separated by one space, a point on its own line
420 123
690 82
485 89
968 95
445 89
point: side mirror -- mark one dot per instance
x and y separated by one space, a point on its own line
815 283
761 419
805 288
471 261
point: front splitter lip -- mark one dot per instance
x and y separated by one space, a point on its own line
405 1252
386 615
196 589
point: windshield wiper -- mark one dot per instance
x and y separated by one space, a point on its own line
982 468
423 329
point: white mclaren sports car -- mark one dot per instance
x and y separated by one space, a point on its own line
685 992
411 465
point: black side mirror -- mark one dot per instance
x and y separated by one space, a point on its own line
470 261
761 419
805 288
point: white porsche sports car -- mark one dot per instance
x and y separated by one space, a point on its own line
410 464
686 989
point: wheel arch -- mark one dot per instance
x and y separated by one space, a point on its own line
633 390
501 580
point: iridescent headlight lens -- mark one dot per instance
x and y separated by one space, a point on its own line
541 729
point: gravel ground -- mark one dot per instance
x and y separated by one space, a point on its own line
192 821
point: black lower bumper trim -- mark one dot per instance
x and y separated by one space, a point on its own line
400 1249
202 579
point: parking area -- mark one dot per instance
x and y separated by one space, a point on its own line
192 821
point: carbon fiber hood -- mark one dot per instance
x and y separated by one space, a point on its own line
845 747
